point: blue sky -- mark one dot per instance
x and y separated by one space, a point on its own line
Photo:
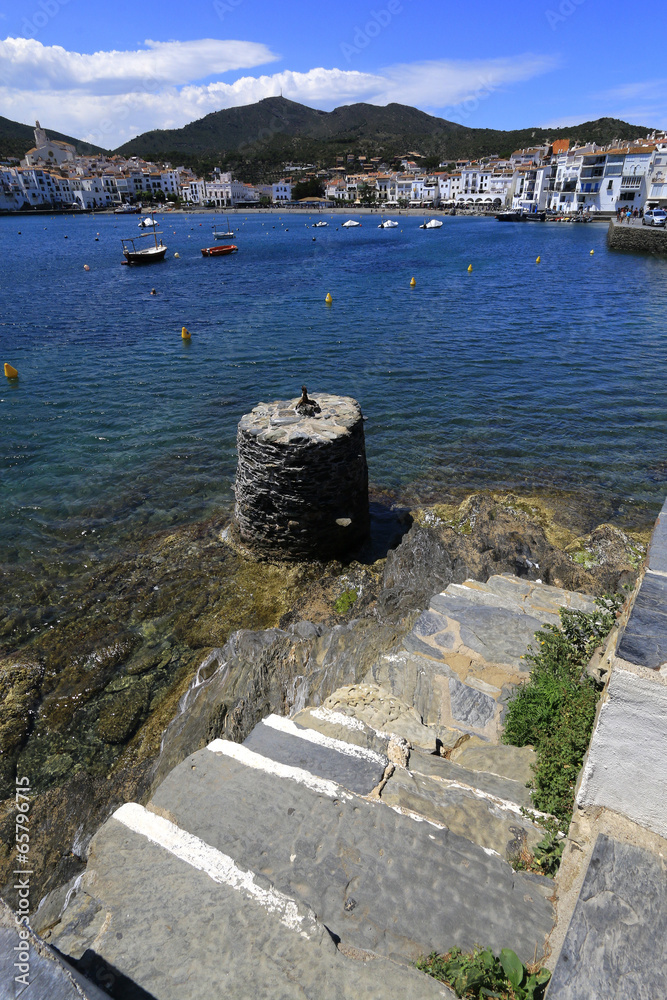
107 72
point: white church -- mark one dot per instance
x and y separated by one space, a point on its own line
47 152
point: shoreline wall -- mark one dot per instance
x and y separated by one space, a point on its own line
636 238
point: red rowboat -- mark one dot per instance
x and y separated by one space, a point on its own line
219 251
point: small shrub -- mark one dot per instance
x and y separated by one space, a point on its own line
555 710
343 603
480 974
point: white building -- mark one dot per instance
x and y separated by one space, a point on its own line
281 191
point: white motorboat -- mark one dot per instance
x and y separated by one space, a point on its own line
147 223
318 225
433 224
388 224
350 223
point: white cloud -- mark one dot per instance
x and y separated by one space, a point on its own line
110 97
26 63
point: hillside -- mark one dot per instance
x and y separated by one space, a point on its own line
16 139
276 129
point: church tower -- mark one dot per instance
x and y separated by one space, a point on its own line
40 136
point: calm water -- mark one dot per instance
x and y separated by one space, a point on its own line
517 375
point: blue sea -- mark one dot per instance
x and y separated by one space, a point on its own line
517 375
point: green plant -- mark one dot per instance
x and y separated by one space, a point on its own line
555 710
343 603
480 973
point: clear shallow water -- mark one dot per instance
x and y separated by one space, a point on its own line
518 375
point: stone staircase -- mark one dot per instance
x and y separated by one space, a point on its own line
325 854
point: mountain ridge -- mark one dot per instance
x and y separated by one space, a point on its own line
276 124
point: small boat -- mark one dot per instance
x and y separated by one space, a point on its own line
511 217
145 255
218 251
350 223
148 255
388 224
147 223
127 210
318 225
229 235
433 224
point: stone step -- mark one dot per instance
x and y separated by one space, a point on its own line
379 879
483 767
367 715
492 822
351 766
482 805
468 651
172 917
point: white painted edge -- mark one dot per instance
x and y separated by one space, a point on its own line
495 800
321 786
340 719
284 725
218 866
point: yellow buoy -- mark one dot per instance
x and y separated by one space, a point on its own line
328 299
470 267
412 282
10 372
184 333
86 267
537 260
592 252
177 255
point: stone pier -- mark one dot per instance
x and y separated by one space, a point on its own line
302 479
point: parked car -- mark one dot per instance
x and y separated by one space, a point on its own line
654 217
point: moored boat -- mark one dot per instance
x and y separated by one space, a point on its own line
219 235
350 224
145 255
148 255
218 251
433 224
147 223
388 224
320 224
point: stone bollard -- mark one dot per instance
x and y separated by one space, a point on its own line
302 479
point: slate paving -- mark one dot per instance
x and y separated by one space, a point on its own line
644 639
615 946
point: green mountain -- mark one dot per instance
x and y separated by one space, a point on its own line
16 139
275 129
